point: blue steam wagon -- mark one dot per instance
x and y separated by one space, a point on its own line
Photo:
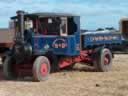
46 42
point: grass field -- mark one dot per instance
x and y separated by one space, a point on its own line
81 81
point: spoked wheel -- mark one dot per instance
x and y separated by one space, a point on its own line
9 68
41 68
103 60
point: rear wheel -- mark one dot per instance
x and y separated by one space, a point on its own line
103 60
41 68
9 68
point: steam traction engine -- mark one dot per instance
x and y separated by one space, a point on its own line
45 42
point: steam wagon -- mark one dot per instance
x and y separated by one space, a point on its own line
46 42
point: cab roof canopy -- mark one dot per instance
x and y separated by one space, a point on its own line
44 14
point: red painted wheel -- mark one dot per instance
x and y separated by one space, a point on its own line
41 68
106 59
103 60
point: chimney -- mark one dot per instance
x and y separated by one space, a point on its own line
20 15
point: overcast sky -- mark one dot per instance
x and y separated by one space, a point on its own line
94 13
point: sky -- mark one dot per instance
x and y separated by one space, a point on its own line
94 13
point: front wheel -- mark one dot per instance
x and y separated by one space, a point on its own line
41 68
103 60
9 68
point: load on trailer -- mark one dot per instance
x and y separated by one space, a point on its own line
46 42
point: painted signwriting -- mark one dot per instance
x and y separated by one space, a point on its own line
102 38
59 43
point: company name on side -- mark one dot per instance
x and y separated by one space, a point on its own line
101 38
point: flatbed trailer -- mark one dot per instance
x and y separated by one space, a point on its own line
98 38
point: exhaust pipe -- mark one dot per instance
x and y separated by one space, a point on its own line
20 15
21 50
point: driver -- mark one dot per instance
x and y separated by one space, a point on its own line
28 30
28 24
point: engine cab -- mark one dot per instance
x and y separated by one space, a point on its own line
55 32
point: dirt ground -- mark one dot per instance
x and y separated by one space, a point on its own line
81 81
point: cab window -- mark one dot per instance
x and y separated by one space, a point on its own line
61 26
49 26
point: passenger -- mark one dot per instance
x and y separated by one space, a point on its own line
63 27
28 24
28 30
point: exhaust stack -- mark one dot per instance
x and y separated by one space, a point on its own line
20 15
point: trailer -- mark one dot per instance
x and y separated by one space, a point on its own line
6 41
46 42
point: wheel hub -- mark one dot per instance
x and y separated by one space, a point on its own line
43 69
106 59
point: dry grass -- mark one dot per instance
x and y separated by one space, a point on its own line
81 81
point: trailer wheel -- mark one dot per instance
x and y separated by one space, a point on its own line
9 68
41 68
103 60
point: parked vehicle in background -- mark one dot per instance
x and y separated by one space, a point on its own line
123 30
6 41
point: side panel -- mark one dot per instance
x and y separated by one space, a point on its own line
101 39
56 44
59 45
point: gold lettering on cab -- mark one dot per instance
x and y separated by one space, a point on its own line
59 43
